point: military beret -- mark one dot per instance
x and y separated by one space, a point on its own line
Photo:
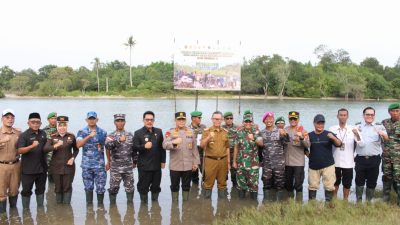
248 117
119 116
180 115
228 114
196 114
248 111
62 119
294 114
266 115
394 106
51 115
34 115
280 120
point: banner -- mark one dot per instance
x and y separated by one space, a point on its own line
206 67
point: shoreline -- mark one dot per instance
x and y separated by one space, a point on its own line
234 97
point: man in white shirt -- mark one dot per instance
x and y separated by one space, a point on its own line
343 155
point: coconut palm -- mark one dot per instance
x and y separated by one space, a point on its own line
97 65
131 43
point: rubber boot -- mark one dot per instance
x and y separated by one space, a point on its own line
346 194
370 194
254 195
242 194
185 196
100 199
280 196
26 201
59 198
175 196
67 198
299 196
154 196
290 194
89 197
3 206
328 196
267 195
359 193
39 200
13 201
398 195
207 194
312 195
221 194
387 187
129 197
335 191
144 197
113 199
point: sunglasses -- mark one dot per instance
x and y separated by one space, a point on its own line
292 118
229 118
149 120
248 121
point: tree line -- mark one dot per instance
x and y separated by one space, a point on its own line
335 75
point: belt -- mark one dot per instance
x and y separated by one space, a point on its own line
216 158
9 163
367 156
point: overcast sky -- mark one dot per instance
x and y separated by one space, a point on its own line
74 32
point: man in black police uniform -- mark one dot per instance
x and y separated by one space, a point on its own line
147 142
34 167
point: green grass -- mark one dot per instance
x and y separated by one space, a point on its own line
317 213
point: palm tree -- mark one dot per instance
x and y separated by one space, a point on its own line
97 65
131 43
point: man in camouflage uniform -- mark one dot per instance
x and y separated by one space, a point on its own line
198 128
273 158
246 159
184 156
231 128
121 159
50 129
92 139
391 153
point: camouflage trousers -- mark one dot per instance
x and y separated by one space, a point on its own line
247 179
391 168
93 177
115 181
273 176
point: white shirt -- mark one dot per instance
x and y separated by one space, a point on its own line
344 157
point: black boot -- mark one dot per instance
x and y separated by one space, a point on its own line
59 198
40 200
67 197
100 199
3 206
113 199
328 196
221 194
254 195
26 201
370 193
207 194
242 194
387 187
290 194
175 196
13 201
312 195
144 197
267 195
154 196
398 194
185 196
129 197
89 198
280 195
359 193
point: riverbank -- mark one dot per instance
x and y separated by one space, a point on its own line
186 96
317 213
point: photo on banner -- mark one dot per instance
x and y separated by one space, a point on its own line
207 67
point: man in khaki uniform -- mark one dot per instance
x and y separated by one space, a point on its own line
215 143
10 167
184 156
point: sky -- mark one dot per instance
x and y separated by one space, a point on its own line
74 32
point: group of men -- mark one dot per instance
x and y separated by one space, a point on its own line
35 155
